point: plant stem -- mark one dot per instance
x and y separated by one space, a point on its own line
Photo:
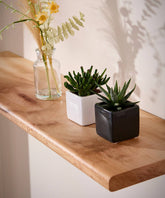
8 6
45 62
15 22
32 7
47 73
54 78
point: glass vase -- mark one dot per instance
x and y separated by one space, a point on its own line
47 78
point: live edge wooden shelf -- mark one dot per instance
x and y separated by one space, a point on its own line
114 166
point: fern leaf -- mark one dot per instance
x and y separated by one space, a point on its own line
55 35
60 33
64 29
56 39
82 16
73 24
78 21
69 28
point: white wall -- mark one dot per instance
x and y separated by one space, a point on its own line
13 37
60 179
14 161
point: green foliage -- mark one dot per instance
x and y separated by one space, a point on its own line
85 83
116 99
62 31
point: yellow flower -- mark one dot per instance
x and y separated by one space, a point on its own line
53 7
41 17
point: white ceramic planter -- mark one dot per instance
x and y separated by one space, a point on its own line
81 109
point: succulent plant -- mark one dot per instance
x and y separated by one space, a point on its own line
116 99
85 83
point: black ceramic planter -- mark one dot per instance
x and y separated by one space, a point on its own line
116 126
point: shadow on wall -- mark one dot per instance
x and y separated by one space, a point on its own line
128 37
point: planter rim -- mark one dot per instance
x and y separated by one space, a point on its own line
80 96
98 105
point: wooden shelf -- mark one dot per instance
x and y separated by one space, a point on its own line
114 166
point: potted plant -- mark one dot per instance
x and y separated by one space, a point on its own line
81 97
117 118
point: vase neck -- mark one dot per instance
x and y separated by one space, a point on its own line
39 54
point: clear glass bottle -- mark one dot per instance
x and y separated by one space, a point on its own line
47 77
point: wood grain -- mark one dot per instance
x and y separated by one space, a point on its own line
114 166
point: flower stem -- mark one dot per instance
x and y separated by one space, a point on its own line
47 74
12 8
15 22
32 7
54 78
44 57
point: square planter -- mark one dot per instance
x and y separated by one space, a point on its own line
81 109
116 126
